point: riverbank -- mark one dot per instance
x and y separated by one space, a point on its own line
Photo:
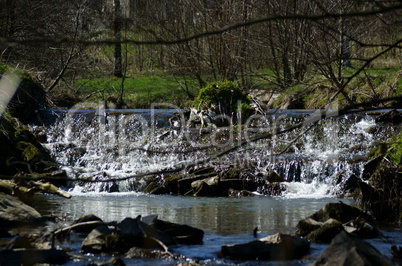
143 89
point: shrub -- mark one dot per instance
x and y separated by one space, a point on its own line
224 97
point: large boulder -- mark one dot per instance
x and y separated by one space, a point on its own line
29 96
346 249
22 153
326 232
325 224
141 232
274 247
14 212
339 211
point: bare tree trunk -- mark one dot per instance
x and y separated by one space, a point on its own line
118 66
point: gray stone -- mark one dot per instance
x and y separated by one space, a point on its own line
326 232
181 233
14 212
346 249
274 247
95 242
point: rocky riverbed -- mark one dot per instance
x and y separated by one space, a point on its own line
27 238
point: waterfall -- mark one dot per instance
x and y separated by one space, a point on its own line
103 144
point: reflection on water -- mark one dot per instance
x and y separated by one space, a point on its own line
222 216
225 220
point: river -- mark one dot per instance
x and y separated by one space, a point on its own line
121 143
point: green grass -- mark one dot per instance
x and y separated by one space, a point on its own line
141 91
146 88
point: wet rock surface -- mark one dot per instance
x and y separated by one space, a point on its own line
15 212
140 232
155 239
346 249
275 247
218 182
332 219
23 155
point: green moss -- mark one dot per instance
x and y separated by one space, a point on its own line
223 97
395 149
26 79
391 150
29 151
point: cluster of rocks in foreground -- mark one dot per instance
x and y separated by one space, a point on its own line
342 226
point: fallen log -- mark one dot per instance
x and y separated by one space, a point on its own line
49 188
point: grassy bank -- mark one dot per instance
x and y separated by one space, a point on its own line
140 91
370 85
144 89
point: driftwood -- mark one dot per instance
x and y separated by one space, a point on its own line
25 191
49 188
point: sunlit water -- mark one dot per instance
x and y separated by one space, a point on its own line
108 144
119 143
224 220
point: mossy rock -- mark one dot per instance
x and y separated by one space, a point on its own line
224 98
29 151
29 97
21 151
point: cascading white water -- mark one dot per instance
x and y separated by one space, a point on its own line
99 145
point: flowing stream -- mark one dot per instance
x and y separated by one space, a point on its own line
117 144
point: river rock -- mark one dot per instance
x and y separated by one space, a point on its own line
21 153
239 193
185 184
147 232
182 233
136 252
86 227
274 247
393 116
339 211
274 177
346 249
325 224
14 212
95 242
116 261
207 187
326 232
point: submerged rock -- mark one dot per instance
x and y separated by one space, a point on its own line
346 249
274 247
